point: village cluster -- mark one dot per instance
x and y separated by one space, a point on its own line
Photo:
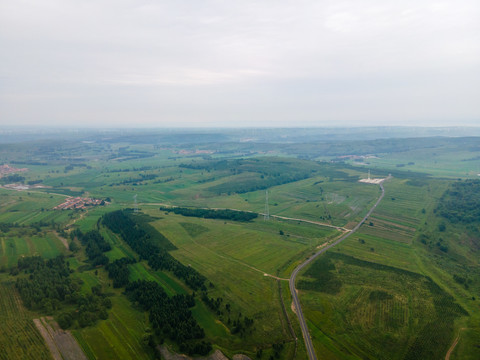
78 203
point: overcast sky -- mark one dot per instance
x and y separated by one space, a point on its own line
239 63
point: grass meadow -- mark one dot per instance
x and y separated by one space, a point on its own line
381 293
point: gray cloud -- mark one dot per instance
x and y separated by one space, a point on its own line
182 63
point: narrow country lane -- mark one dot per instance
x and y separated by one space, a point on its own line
293 290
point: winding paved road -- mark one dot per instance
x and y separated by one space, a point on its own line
293 290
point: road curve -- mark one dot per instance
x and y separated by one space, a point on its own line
293 290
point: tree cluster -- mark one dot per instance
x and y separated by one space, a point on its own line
224 214
49 288
14 178
241 324
136 181
170 316
95 246
119 271
158 258
461 202
213 304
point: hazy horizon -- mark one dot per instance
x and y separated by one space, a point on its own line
210 64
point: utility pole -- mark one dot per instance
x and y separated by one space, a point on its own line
135 208
266 216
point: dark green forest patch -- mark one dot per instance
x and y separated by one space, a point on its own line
461 202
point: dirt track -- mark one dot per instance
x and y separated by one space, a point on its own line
455 342
62 239
61 343
217 355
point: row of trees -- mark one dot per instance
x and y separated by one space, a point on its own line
257 183
224 214
158 258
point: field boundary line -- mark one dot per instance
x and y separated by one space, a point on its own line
238 261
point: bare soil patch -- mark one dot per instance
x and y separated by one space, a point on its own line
61 343
62 239
217 355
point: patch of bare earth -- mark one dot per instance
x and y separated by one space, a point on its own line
62 239
61 343
217 355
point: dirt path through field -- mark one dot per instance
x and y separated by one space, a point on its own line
455 342
48 340
62 239
61 343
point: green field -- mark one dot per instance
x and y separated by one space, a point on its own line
235 258
119 337
19 338
387 312
404 286
377 294
19 244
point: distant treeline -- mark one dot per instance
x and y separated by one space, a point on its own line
461 202
31 162
142 168
258 183
150 249
36 226
15 178
49 287
224 214
125 154
135 181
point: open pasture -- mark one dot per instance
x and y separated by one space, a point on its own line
452 158
257 244
27 207
388 312
118 337
235 258
333 201
16 245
